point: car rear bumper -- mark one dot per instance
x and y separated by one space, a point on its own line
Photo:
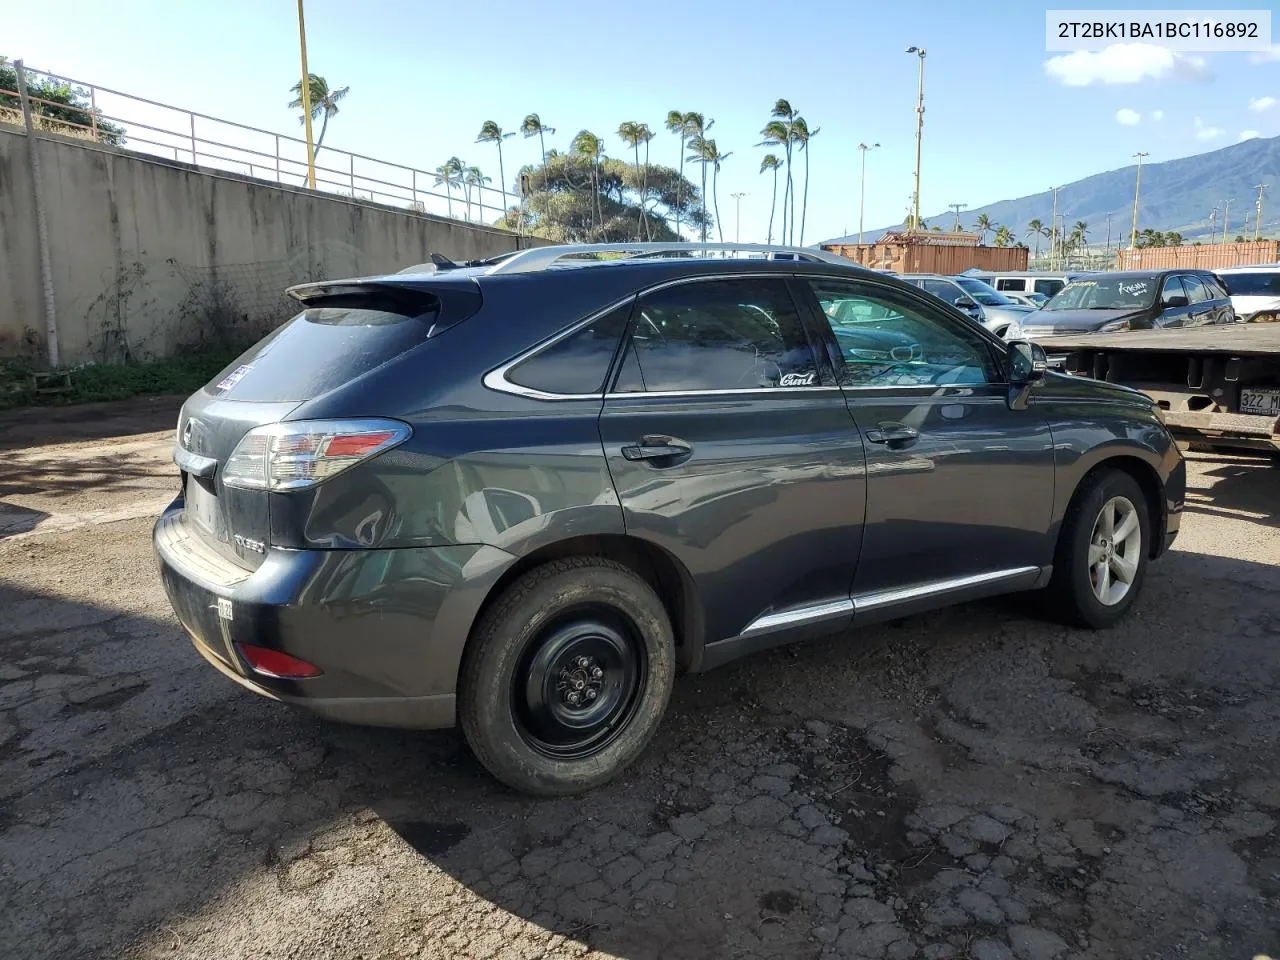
386 628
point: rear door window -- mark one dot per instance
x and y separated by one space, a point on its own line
717 335
1049 287
576 364
1196 289
1018 284
318 350
1172 288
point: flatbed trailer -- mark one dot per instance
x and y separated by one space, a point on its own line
1218 385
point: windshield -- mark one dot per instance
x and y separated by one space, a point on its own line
1113 293
984 293
1252 284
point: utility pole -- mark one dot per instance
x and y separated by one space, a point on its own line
862 196
1137 186
956 208
920 52
306 99
1108 234
1053 229
737 216
1226 206
1213 224
1257 219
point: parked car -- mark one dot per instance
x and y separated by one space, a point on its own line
1045 283
1255 292
522 498
1132 300
1033 300
979 300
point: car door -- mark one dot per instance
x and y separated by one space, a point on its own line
1200 310
959 483
1175 303
952 293
731 448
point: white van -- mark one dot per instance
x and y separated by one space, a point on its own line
1028 281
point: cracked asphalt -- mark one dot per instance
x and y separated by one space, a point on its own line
974 783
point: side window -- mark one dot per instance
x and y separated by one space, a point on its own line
717 335
578 363
1196 288
1017 284
1049 287
1172 288
943 290
887 339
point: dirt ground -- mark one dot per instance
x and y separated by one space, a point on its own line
975 783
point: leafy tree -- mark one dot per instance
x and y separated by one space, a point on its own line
587 144
1173 239
490 132
983 226
1003 237
532 126
771 162
449 174
1239 238
66 108
324 100
582 198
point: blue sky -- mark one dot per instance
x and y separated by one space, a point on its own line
999 122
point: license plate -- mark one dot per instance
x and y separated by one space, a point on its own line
202 505
1265 402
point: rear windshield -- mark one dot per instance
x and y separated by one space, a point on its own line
319 349
1253 284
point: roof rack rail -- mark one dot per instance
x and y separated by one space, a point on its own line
540 258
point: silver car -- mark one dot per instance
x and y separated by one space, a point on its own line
979 300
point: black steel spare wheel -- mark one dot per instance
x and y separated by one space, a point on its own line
581 680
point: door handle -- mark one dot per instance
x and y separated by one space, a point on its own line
654 447
893 433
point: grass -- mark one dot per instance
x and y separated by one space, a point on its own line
183 374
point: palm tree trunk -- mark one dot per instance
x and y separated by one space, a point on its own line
324 125
704 203
644 196
773 204
786 193
715 199
804 211
640 220
542 145
448 196
791 188
679 187
502 173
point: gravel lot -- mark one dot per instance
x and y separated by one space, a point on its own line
975 783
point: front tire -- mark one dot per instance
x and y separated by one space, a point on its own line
567 676
1103 550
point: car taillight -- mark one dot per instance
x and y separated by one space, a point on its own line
274 663
290 456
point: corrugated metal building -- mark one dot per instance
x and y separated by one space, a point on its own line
1207 256
927 252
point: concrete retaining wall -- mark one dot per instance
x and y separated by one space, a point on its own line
152 256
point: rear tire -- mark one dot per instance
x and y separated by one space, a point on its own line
567 676
1103 550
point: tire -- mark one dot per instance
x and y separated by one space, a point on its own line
555 635
1074 586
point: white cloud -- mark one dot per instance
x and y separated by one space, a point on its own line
1269 55
1157 116
1207 133
1258 104
1127 117
1123 63
1249 134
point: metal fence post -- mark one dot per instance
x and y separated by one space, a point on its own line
277 158
42 223
93 111
193 139
352 158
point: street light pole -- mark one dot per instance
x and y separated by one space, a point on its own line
1137 186
306 99
737 217
1053 230
862 196
920 52
1257 218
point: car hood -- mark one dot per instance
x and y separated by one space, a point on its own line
1012 311
1075 321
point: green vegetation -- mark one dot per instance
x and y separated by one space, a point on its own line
324 101
178 375
1157 238
66 110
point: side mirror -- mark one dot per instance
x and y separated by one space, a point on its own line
964 303
1027 362
1177 300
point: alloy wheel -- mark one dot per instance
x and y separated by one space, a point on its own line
1115 550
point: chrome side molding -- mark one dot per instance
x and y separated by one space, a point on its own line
795 616
866 602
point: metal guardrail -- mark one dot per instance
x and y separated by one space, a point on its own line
163 130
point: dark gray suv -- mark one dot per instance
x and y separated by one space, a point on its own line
522 495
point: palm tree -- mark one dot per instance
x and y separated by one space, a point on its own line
474 177
449 174
1078 234
771 162
706 152
696 126
1003 236
801 134
587 144
1037 229
983 224
778 133
675 124
633 134
323 101
646 135
534 127
490 132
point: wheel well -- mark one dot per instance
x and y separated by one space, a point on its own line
1146 478
668 577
